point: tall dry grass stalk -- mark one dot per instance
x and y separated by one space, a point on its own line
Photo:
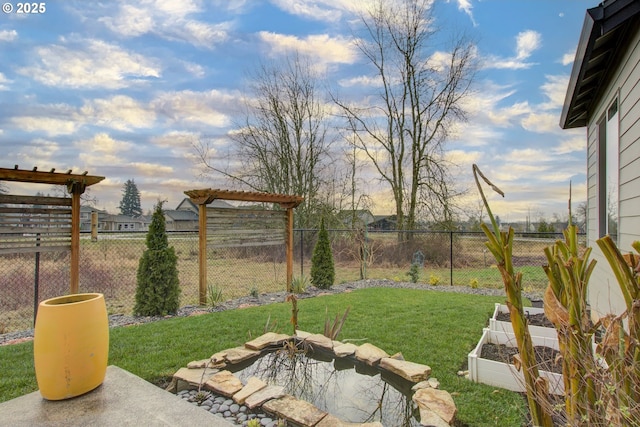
602 387
620 346
565 304
500 245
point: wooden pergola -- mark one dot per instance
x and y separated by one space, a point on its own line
56 227
205 196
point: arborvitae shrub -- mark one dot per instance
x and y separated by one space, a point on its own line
322 270
158 288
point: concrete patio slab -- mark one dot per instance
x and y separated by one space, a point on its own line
123 399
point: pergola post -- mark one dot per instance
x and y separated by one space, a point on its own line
289 247
205 196
75 241
202 253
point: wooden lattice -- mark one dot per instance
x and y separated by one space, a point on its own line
39 224
230 228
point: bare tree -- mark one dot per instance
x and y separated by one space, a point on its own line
580 217
87 198
348 186
282 141
404 131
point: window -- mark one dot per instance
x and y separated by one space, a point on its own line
608 170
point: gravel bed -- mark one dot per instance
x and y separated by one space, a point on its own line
226 408
116 320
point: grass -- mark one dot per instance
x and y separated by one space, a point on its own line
534 277
433 328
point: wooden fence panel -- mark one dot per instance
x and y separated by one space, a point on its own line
40 224
235 227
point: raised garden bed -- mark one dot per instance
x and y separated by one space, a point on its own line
539 325
502 346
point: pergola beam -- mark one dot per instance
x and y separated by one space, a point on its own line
206 196
39 177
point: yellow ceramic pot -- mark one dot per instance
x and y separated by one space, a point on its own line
71 345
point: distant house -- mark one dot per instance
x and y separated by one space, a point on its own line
383 222
359 218
126 223
180 220
185 216
85 218
604 96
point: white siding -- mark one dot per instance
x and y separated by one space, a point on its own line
604 294
592 183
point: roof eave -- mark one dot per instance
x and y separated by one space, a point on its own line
599 21
576 72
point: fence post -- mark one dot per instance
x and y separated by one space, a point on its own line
301 254
94 226
36 280
364 252
451 258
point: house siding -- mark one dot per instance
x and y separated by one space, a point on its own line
592 183
604 293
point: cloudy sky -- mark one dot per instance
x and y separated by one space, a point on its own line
123 89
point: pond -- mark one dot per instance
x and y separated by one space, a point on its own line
344 387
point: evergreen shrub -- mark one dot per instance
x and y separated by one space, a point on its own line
158 287
322 269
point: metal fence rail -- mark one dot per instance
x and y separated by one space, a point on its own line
109 266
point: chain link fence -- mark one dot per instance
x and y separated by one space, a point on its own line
109 266
438 258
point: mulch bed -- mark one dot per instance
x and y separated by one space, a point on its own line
533 319
548 359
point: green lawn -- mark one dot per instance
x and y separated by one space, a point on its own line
433 328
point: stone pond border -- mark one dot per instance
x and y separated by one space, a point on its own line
436 406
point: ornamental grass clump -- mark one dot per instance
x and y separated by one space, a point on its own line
158 287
